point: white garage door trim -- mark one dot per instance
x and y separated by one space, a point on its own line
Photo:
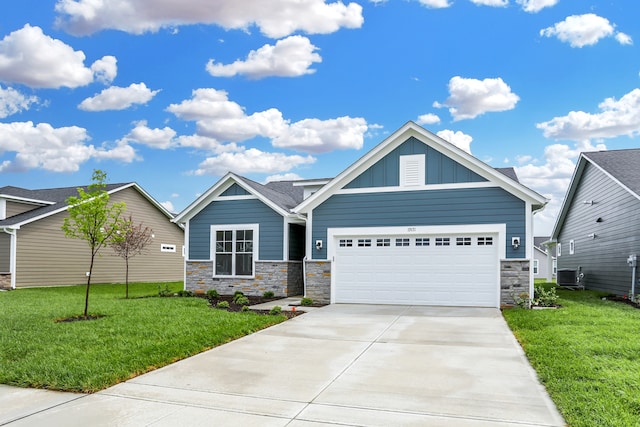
333 234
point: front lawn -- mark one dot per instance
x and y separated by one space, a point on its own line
135 335
587 354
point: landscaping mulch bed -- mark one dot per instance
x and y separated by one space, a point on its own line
622 300
253 300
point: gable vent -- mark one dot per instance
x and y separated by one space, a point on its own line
412 170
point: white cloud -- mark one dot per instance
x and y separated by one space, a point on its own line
459 139
168 205
283 177
623 38
12 102
279 19
469 98
105 69
29 57
290 57
54 149
206 143
223 120
617 117
552 178
584 30
251 161
118 98
435 4
428 119
121 152
492 3
156 138
321 136
535 6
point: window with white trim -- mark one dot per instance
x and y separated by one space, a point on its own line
412 170
364 243
559 249
403 242
555 266
535 267
383 242
442 241
234 250
463 241
346 243
485 241
572 247
164 247
422 241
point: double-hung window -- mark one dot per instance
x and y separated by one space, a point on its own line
234 249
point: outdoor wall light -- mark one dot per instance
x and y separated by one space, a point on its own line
592 235
599 219
318 244
588 202
515 242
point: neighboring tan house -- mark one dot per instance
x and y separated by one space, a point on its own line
415 221
35 252
544 259
598 226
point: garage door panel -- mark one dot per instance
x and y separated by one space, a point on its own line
431 275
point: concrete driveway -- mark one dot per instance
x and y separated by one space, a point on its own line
359 365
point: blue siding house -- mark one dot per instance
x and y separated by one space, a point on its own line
414 221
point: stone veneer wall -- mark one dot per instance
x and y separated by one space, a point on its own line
283 278
514 280
5 280
318 275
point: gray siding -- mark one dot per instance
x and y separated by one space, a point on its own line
237 212
46 257
16 208
440 169
235 190
603 259
5 252
419 208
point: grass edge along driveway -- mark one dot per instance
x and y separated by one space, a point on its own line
136 335
587 354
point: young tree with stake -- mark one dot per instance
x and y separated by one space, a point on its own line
92 219
130 240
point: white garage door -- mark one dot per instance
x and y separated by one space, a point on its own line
448 270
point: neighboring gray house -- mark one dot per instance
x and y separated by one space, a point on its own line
598 226
415 221
544 259
35 252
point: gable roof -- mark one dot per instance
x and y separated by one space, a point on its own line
53 200
621 166
503 177
281 196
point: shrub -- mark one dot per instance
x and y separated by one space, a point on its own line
184 293
268 294
241 300
166 292
245 308
275 310
222 304
522 299
237 295
212 294
544 297
306 301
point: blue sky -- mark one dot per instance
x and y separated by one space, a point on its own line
174 94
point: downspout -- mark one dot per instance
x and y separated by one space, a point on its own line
304 276
12 254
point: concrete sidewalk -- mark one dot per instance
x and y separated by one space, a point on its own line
342 364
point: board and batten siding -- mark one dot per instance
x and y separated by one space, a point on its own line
422 208
235 190
16 208
439 169
46 257
5 252
604 258
251 211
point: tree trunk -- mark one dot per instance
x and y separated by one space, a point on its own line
86 298
126 277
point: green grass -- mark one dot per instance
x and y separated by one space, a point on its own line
587 354
135 335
